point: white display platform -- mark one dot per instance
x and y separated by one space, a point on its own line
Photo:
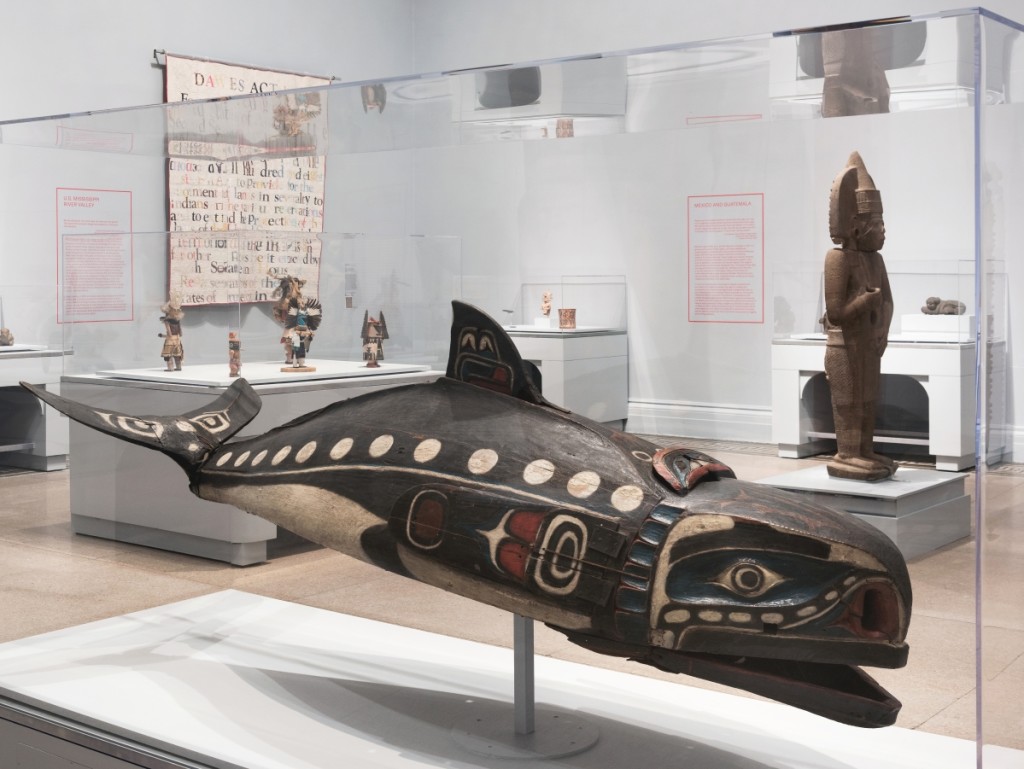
554 330
919 509
946 372
32 434
261 372
234 680
18 347
584 369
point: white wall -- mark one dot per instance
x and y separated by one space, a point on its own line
73 55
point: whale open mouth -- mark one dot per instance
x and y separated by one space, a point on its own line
841 692
806 677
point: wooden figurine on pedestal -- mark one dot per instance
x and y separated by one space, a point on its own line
304 316
375 331
173 352
858 310
288 289
234 354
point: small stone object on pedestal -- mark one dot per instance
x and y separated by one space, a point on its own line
567 318
6 337
933 305
858 311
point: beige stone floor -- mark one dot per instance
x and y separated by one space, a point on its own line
51 578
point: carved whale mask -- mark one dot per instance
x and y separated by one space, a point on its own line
476 484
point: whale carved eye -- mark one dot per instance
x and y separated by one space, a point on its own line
748 579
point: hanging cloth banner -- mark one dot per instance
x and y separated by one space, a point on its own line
245 181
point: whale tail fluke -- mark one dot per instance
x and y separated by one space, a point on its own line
188 439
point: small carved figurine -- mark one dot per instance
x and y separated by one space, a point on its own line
858 310
935 306
375 331
234 354
6 337
545 304
288 289
173 353
303 319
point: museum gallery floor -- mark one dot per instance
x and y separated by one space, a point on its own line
52 580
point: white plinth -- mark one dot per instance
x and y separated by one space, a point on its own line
946 372
234 679
921 510
938 328
260 372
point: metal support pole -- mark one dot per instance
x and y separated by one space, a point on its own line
522 640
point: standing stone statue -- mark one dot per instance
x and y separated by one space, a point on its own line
858 309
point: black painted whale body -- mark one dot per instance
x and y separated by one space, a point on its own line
477 485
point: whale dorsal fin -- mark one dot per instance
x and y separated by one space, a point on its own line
483 354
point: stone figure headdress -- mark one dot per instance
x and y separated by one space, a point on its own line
853 192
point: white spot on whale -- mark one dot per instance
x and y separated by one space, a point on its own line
381 445
482 461
427 450
341 448
538 471
583 484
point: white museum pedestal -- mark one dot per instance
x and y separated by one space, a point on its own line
32 434
234 680
583 370
131 494
920 510
946 372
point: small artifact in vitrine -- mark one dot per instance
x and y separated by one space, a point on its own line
933 305
234 354
288 289
303 319
173 352
567 317
375 331
6 337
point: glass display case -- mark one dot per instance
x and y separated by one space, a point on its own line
685 218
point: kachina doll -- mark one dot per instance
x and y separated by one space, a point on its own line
288 290
234 354
375 331
304 316
173 352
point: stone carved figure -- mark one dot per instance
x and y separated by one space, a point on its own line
855 82
545 304
858 310
173 352
933 305
6 337
475 484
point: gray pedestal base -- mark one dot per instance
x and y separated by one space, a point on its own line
490 732
920 510
235 553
